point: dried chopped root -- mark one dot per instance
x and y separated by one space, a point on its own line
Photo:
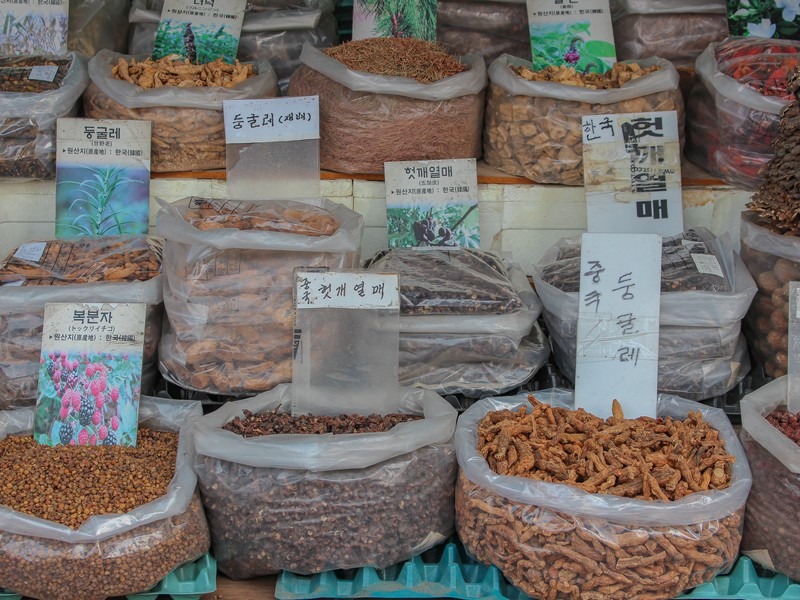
619 75
178 72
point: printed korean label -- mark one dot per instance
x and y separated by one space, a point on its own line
31 252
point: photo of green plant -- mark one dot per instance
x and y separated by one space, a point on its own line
402 18
453 224
33 34
764 18
102 200
570 44
88 399
199 43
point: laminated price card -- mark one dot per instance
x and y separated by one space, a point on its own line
102 177
618 317
33 27
632 173
432 203
347 343
274 140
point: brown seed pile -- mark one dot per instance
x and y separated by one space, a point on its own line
273 422
619 75
69 484
179 72
423 61
651 459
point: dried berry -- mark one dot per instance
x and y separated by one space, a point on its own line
273 422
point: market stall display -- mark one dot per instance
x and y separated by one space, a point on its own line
533 118
46 553
392 99
228 286
29 108
650 508
735 105
104 269
95 25
184 106
284 501
701 312
771 438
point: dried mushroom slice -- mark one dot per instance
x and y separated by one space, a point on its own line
449 281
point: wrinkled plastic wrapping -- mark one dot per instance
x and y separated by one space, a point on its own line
774 262
28 119
771 529
309 503
70 271
536 531
533 128
256 5
480 43
655 7
471 365
459 291
731 125
228 296
188 131
95 25
368 119
44 559
486 29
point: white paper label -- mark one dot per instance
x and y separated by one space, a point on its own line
632 173
31 252
618 324
793 348
707 263
271 120
347 290
43 73
432 203
14 283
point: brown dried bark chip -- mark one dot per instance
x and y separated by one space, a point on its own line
179 72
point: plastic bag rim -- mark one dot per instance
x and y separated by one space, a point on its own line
759 403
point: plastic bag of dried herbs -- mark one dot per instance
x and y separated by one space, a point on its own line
400 99
617 546
79 270
110 554
309 503
29 108
188 130
771 529
533 128
95 25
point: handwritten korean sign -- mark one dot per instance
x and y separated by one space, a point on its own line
271 120
346 290
632 173
618 316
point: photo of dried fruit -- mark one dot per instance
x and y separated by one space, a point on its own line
88 399
570 44
433 225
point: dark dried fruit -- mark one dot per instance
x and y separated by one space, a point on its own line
273 422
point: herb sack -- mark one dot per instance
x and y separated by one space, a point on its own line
284 502
113 554
367 119
533 128
556 540
96 25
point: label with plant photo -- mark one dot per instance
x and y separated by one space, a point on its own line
90 374
200 30
572 33
33 27
432 203
764 18
102 177
394 18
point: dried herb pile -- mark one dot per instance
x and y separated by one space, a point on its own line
273 422
619 75
423 61
650 459
179 72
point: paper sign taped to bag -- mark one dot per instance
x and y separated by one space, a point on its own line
43 73
793 348
31 252
632 173
347 290
618 323
271 120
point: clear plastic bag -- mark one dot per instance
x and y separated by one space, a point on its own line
505 19
461 42
109 555
228 292
535 531
311 503
533 128
731 123
188 131
771 529
83 270
29 110
95 25
367 120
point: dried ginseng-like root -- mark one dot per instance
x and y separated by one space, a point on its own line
178 72
619 75
664 458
